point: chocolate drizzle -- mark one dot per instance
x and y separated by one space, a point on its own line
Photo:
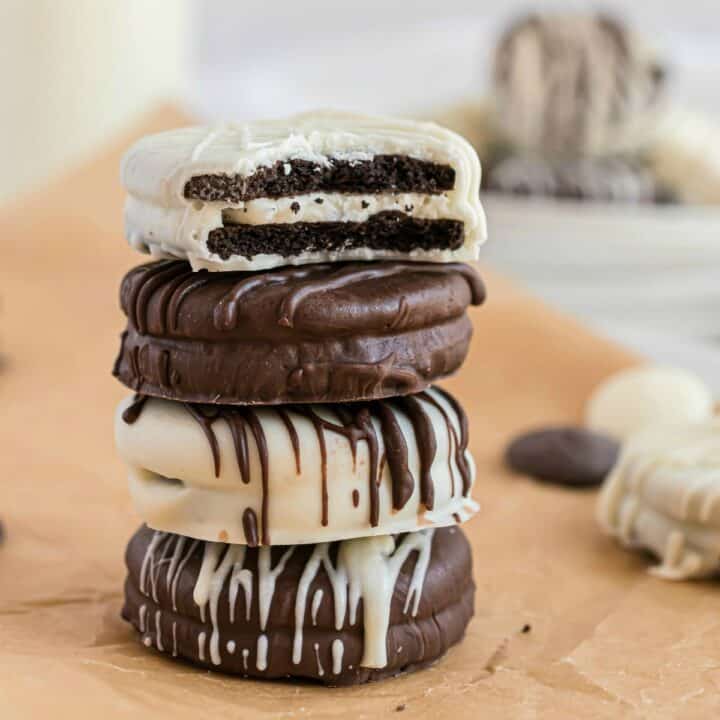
238 419
460 447
292 433
427 445
300 288
354 422
177 281
249 521
132 411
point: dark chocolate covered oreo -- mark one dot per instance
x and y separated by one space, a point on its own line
569 456
317 333
341 613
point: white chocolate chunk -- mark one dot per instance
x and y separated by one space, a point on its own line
633 399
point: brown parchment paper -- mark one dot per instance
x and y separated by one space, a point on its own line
605 639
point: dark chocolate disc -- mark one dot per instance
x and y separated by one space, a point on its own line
563 455
290 612
317 333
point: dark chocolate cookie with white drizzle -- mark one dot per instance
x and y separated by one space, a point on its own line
341 613
320 333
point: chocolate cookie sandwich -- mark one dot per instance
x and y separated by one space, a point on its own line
341 613
328 332
301 479
315 187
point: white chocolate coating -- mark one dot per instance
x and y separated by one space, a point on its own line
632 399
166 442
664 496
160 220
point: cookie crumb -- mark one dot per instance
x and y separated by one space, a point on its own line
319 201
365 204
526 628
400 707
295 207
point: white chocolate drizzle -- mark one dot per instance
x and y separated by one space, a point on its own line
178 571
142 616
262 652
210 581
365 568
316 601
316 647
148 568
338 649
158 631
267 576
245 654
240 578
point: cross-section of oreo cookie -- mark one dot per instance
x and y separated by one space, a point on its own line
300 473
341 613
321 333
317 187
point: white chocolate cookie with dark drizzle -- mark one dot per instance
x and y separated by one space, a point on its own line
664 496
317 187
299 473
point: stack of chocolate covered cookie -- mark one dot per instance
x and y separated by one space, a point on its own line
300 481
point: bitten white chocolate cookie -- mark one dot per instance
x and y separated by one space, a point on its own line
293 474
323 186
664 496
632 399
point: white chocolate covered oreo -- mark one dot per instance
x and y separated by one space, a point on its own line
632 399
316 187
297 474
664 496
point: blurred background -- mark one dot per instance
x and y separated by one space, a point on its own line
75 73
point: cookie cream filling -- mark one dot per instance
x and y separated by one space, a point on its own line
335 207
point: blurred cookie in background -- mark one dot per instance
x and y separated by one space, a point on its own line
570 85
580 108
576 101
